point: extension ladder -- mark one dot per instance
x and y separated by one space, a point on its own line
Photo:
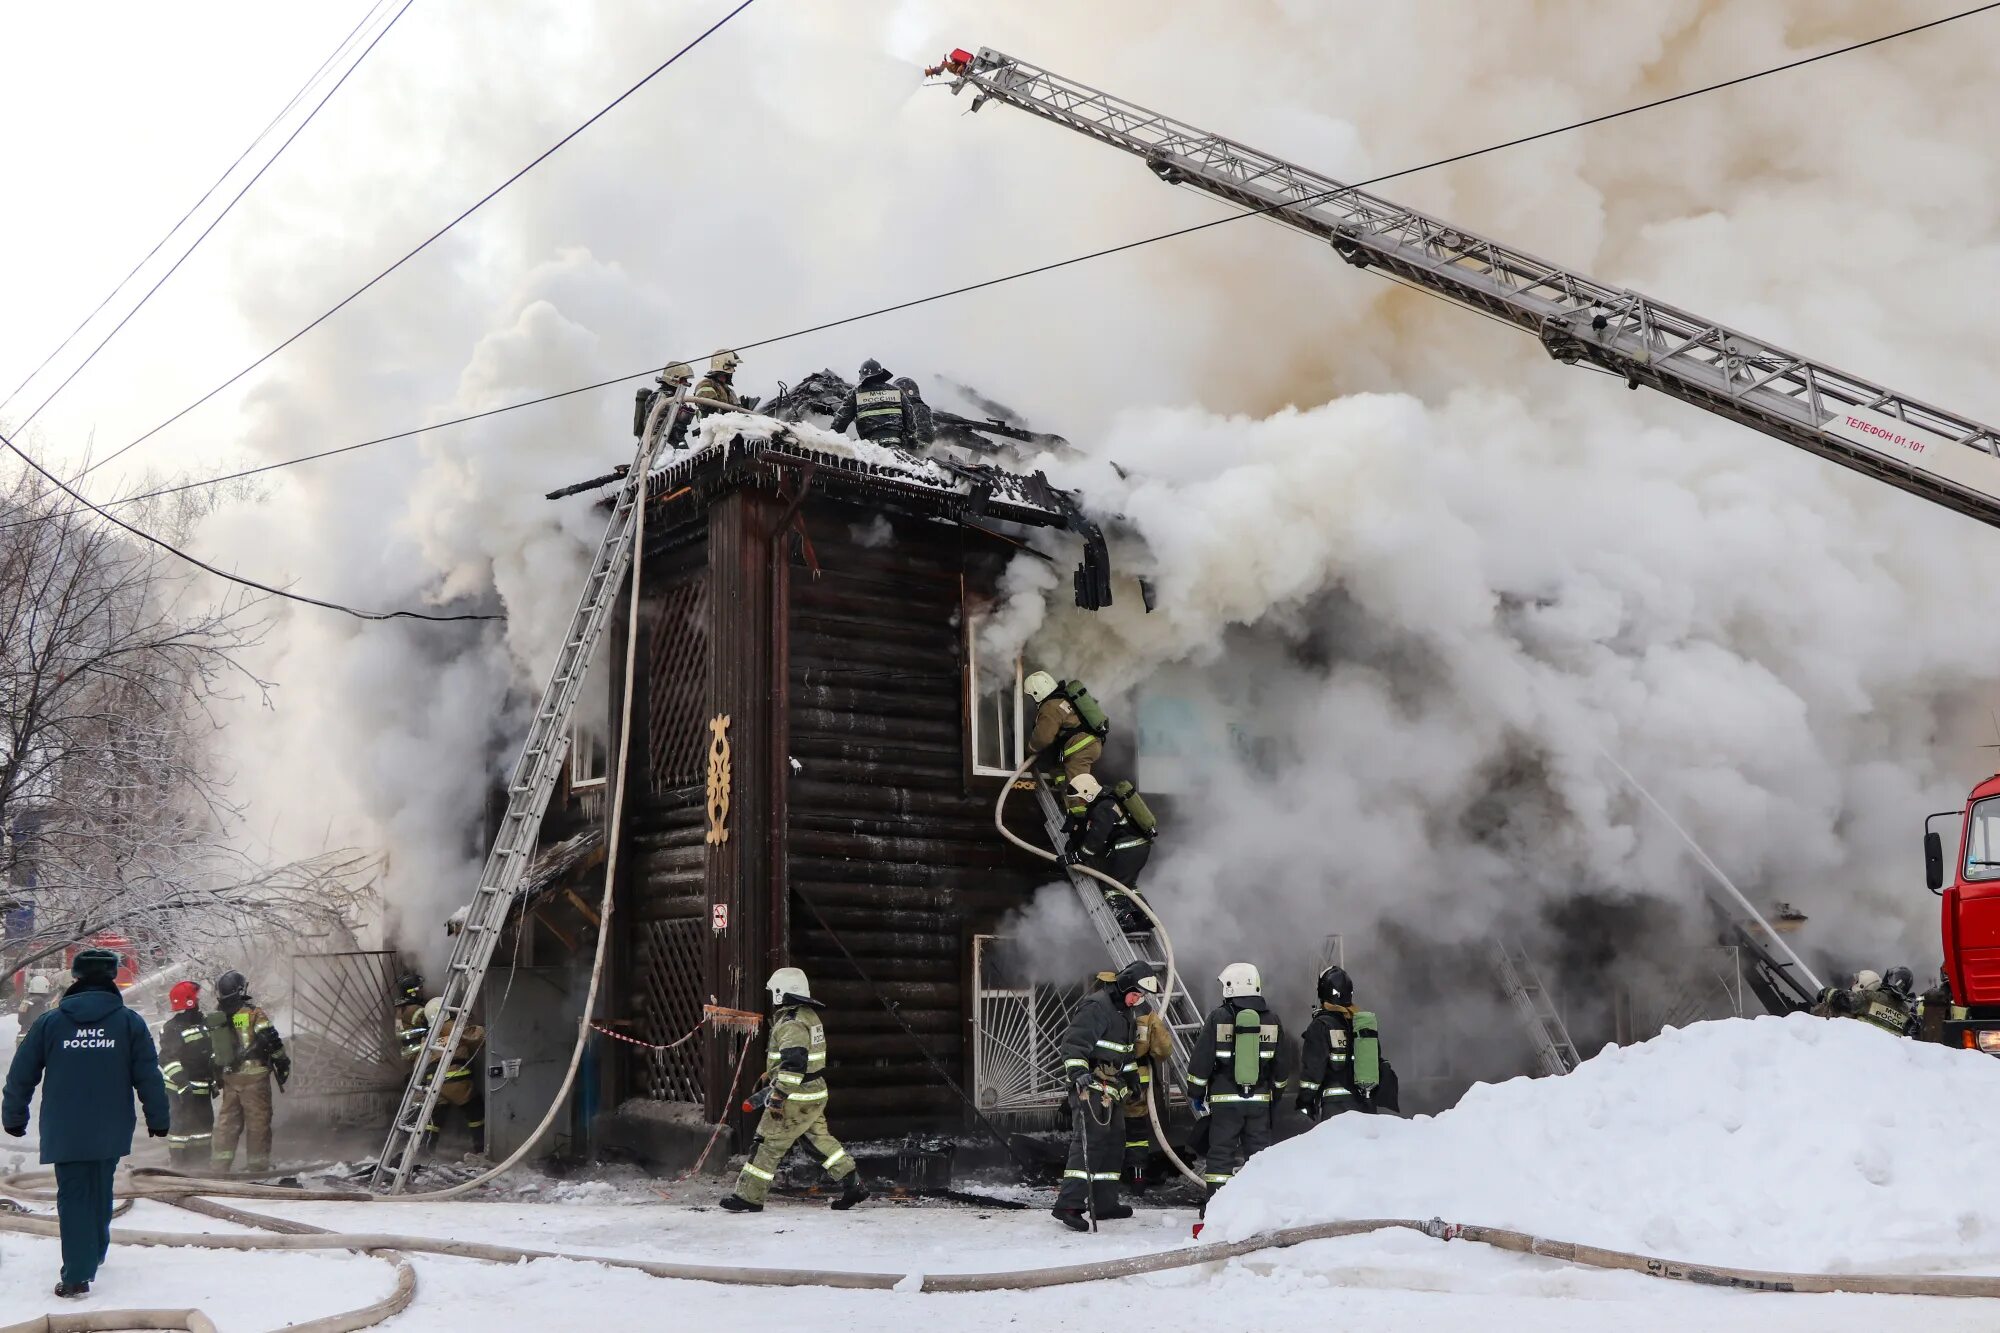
1177 1007
1546 1029
528 790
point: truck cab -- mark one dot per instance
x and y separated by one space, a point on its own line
1971 919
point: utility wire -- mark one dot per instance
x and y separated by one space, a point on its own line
214 222
1061 263
262 135
544 156
223 574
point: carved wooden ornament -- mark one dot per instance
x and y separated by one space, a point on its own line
718 779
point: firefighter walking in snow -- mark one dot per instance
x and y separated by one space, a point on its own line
248 1051
1234 1072
1340 1060
188 1065
1069 732
794 1099
1099 1059
879 411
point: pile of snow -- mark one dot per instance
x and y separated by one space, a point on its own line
1793 1143
723 427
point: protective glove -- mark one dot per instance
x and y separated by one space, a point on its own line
17 1131
282 1066
152 1133
1198 1103
1072 856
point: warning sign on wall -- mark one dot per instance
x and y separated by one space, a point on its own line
718 914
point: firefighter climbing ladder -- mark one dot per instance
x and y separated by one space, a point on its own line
1522 981
528 791
1176 1006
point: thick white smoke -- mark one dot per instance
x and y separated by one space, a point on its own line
1433 570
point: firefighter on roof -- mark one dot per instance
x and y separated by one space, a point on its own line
673 380
188 1065
1234 1073
879 411
1113 836
923 424
1069 732
794 1099
720 382
247 1051
1099 1050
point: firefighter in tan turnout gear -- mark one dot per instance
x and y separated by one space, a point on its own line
187 1066
461 1076
248 1051
719 384
793 1095
1068 736
1099 1060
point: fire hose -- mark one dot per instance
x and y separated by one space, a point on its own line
1029 1279
1159 930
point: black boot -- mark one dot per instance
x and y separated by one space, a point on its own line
1116 1212
72 1288
852 1192
734 1203
1072 1218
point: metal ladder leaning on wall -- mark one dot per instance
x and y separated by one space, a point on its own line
529 787
1523 983
1184 1020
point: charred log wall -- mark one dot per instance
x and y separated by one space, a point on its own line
888 835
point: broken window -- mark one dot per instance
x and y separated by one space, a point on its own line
589 730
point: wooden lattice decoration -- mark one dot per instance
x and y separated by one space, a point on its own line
677 669
667 995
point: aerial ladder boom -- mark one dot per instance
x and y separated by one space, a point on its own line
1948 459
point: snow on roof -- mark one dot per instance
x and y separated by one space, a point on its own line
1791 1143
727 436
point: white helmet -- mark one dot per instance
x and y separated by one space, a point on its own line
1085 786
432 1007
788 981
1867 979
1040 685
38 984
1241 979
724 362
680 372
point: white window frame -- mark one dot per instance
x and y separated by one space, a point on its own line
975 699
582 726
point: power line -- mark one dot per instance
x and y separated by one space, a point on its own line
214 222
1058 264
223 574
546 153
195 207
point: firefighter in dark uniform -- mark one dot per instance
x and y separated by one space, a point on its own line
923 424
1068 736
673 380
1235 1071
188 1065
1098 1060
878 410
1113 836
1326 1052
411 1027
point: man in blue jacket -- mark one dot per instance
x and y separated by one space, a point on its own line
96 1053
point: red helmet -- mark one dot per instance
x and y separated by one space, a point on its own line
185 995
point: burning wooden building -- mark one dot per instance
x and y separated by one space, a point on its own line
816 753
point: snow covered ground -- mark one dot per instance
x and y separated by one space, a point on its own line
1774 1142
